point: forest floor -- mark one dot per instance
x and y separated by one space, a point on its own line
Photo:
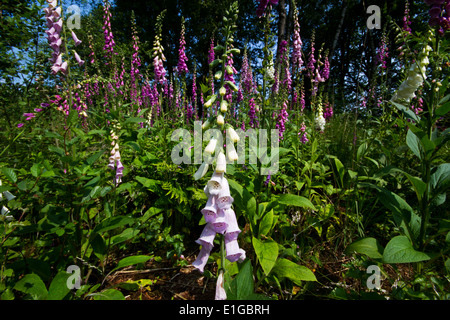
161 280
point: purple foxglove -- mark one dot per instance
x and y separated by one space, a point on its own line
29 116
57 12
64 67
233 230
58 60
79 61
56 44
210 211
58 25
215 183
224 199
202 258
233 250
111 163
207 237
220 290
219 225
75 39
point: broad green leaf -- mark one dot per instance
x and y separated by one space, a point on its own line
404 215
94 157
440 179
413 143
150 184
361 151
400 250
126 235
267 253
443 110
129 261
108 294
32 285
265 225
406 111
10 174
368 246
58 287
295 200
296 273
242 286
134 120
341 170
112 223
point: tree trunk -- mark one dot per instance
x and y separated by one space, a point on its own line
338 30
281 25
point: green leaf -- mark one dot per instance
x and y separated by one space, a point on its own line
94 157
443 110
10 174
400 250
129 261
126 235
267 253
296 273
150 184
266 223
406 111
242 286
134 120
36 169
368 246
58 287
404 216
112 223
108 294
32 285
295 200
413 143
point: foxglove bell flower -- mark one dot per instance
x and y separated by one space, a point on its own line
77 57
114 159
221 164
297 51
320 120
211 146
75 38
415 78
182 67
220 290
219 218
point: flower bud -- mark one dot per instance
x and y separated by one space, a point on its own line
221 163
211 146
232 134
223 106
220 120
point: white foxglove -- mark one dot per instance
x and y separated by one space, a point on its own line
220 290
